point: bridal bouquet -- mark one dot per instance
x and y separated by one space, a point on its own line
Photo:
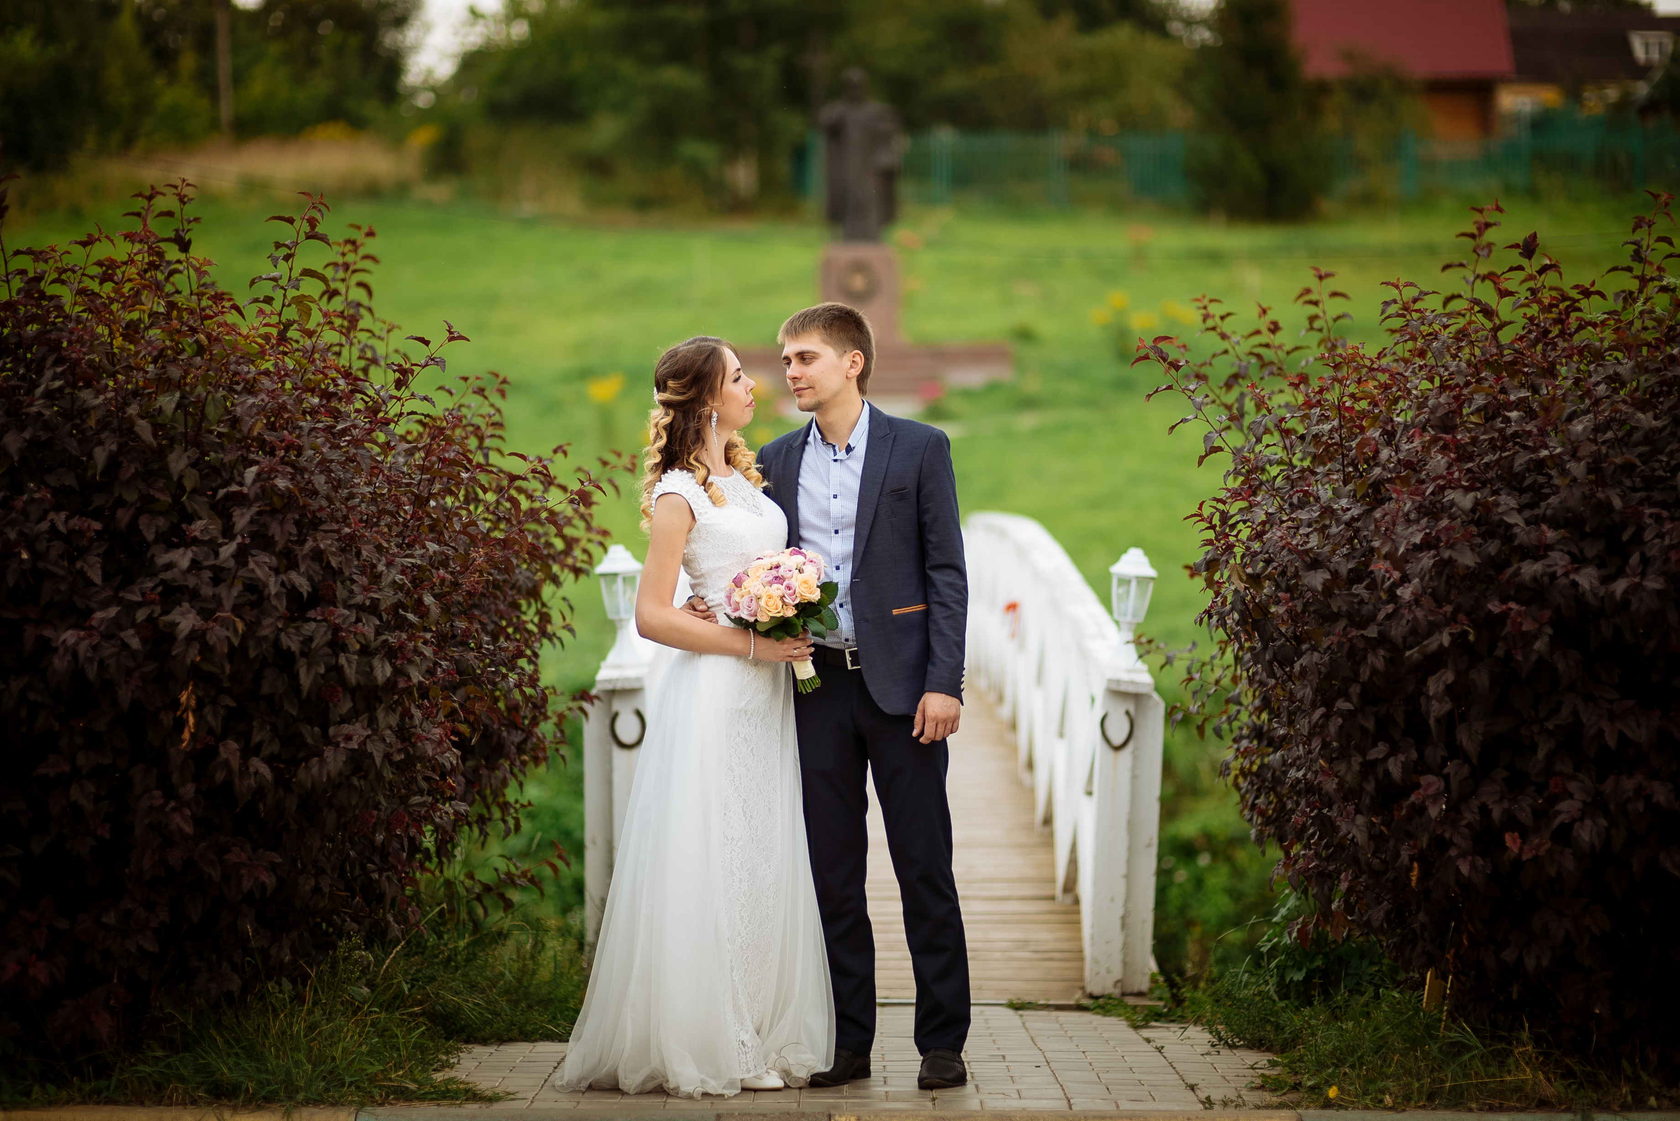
781 594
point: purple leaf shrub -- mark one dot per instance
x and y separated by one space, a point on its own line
1444 587
270 621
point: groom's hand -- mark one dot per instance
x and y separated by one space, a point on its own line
696 607
936 717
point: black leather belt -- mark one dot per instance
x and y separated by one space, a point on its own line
835 658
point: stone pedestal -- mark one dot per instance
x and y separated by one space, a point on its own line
864 274
906 376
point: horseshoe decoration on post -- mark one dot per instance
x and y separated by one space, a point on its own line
1102 730
641 729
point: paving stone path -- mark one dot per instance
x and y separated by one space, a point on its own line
1035 1060
1023 945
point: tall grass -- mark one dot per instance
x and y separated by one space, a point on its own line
331 159
1349 1030
1380 1048
371 1025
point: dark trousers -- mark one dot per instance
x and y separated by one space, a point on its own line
843 733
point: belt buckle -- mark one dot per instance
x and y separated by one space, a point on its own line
849 651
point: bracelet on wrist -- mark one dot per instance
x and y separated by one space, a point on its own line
752 644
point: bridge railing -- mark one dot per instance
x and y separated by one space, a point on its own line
1088 728
1087 721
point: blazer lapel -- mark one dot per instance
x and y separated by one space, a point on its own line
787 482
875 457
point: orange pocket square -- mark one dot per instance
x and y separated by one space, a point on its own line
907 610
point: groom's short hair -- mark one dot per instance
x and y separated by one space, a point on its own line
842 327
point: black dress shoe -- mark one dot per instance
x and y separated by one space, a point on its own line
941 1070
848 1067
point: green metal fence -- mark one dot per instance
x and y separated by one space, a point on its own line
1550 154
1052 168
1057 169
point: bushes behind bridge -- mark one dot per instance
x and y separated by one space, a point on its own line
270 625
1442 581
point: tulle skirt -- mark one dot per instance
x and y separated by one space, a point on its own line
710 965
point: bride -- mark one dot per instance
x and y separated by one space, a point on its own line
710 973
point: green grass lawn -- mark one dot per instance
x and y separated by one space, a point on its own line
1070 441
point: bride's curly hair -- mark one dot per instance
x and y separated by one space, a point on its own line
686 379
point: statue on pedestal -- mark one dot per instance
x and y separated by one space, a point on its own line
863 149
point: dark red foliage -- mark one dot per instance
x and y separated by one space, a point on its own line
271 619
1443 579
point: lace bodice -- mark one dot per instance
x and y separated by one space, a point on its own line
725 539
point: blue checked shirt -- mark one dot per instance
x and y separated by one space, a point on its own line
829 481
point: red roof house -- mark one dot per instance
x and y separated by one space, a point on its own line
1591 56
1457 50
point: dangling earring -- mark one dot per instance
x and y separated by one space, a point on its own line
714 424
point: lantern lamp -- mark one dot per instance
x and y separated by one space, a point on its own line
620 573
1131 579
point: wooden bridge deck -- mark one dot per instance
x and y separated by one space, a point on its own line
1022 944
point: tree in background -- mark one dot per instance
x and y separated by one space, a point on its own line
1371 109
56 60
673 102
1261 153
908 51
111 75
1662 97
661 97
1089 15
1119 76
303 62
1024 64
296 63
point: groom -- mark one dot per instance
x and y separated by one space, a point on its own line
876 497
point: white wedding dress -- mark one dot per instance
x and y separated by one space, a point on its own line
710 966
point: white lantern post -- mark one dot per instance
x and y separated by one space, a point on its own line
1126 840
620 573
612 729
1131 580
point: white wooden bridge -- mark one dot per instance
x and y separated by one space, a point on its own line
1054 780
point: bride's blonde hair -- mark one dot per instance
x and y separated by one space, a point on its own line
686 379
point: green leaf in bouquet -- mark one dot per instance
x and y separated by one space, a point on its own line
829 590
830 619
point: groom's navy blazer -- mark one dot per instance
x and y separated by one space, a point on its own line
909 586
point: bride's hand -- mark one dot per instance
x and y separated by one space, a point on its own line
782 649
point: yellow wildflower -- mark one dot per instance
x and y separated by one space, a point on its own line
424 136
1179 313
1101 316
604 390
1119 301
1145 320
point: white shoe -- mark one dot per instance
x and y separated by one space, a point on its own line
769 1080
